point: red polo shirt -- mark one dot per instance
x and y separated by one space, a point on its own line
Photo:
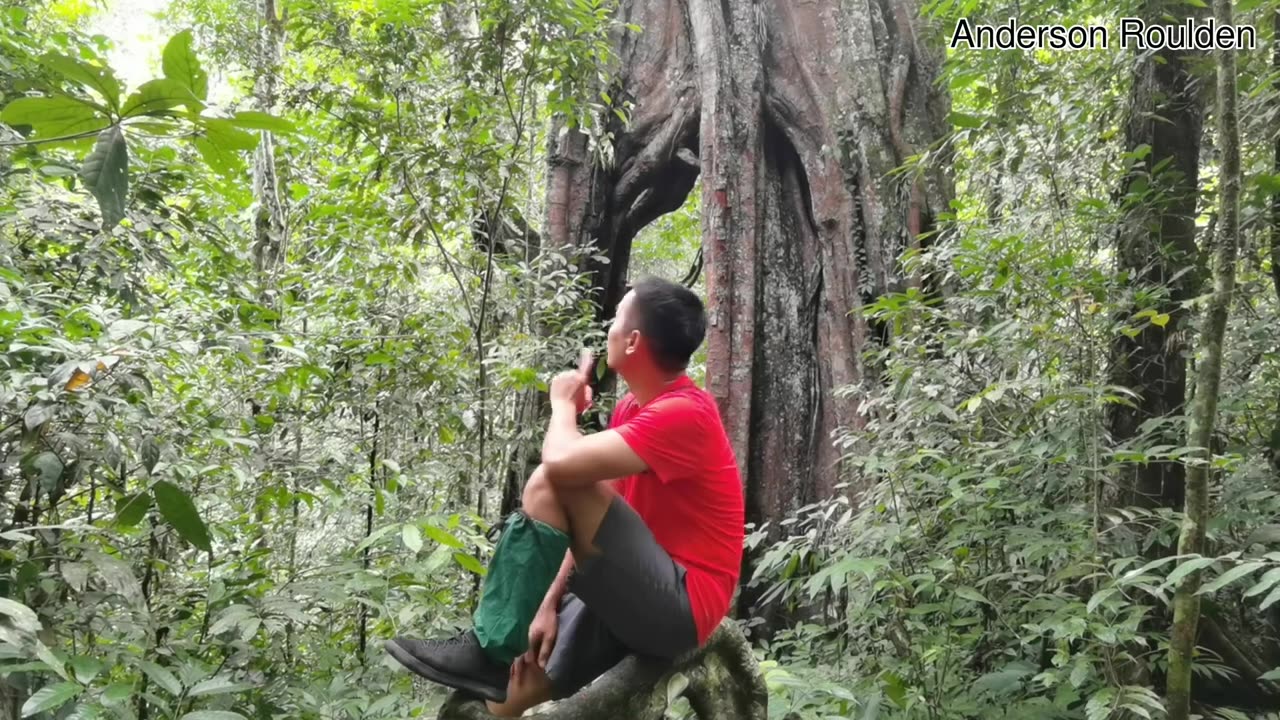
691 495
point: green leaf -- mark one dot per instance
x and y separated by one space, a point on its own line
85 711
1005 680
131 509
1160 320
254 120
443 537
106 173
117 692
220 144
94 77
213 715
1269 578
218 685
969 593
1273 675
49 465
1128 576
53 117
1100 597
375 537
49 698
85 668
469 563
162 677
156 96
1271 599
1231 576
181 64
37 415
412 537
180 512
24 618
896 690
55 663
1187 568
1099 705
964 120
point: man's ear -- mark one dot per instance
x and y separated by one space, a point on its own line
633 342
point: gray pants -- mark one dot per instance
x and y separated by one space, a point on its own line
629 599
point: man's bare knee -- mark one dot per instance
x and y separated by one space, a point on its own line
541 501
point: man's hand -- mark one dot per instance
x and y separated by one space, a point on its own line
542 636
572 386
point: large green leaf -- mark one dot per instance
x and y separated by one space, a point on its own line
131 509
412 537
49 467
22 617
443 537
1190 566
98 78
254 120
86 668
106 173
221 143
156 96
218 685
180 512
51 117
50 697
1231 576
1269 578
162 677
181 64
117 692
469 563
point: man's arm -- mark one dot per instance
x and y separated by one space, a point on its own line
571 459
558 586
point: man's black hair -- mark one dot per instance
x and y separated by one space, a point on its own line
671 318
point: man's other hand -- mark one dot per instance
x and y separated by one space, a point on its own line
542 636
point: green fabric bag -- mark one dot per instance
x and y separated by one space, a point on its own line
525 562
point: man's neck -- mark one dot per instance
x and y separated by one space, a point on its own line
645 386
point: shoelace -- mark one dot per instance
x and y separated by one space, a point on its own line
462 638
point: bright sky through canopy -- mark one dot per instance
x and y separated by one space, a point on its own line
135 28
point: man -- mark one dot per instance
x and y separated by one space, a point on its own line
644 522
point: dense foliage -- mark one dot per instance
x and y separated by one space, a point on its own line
270 348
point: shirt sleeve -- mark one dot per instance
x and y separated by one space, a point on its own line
668 434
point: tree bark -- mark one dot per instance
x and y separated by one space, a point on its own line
723 683
1156 247
1275 225
1186 604
269 223
793 114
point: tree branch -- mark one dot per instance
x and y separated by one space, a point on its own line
724 683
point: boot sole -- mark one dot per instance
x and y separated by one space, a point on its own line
448 679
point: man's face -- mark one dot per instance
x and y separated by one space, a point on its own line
620 341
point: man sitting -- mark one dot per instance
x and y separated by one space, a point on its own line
644 522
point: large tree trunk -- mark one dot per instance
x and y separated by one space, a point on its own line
269 223
1186 603
794 114
1156 246
1275 223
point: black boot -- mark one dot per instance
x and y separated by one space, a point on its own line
457 662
